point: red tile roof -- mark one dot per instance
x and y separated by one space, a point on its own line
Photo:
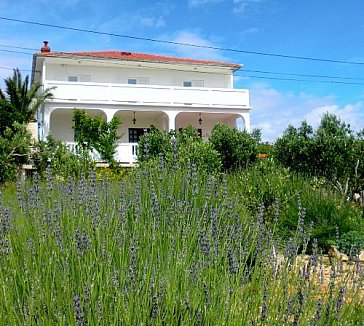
134 56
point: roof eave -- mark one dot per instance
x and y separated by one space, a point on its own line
230 66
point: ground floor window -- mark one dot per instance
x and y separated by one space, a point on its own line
135 134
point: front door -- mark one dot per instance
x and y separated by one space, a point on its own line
135 134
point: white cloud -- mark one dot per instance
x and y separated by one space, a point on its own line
151 22
274 110
352 114
197 3
248 31
241 5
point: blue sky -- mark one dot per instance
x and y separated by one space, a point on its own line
326 29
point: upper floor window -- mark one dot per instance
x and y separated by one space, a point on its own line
79 78
72 78
138 80
193 83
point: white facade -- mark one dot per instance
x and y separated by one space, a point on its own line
165 92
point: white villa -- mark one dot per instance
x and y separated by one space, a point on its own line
142 89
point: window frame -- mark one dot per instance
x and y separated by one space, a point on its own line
134 138
138 80
193 83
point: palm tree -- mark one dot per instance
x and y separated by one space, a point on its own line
19 102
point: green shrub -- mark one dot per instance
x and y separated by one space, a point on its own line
179 148
295 148
325 211
335 149
96 133
332 152
236 148
14 146
62 162
153 143
351 242
286 195
202 154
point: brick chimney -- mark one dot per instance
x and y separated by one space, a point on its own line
45 48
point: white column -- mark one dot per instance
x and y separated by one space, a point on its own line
232 81
171 119
246 117
46 122
109 115
43 73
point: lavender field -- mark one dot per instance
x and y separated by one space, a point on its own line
162 247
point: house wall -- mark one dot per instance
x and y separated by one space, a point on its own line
61 123
209 120
32 127
60 72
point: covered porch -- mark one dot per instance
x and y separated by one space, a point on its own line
58 123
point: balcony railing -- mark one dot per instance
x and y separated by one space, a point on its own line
126 153
152 95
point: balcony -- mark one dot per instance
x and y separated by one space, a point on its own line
126 153
149 95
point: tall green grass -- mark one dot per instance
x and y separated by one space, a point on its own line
331 217
163 247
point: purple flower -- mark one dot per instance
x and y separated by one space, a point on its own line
82 241
79 314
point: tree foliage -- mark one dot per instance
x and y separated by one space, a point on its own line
14 149
333 152
179 148
19 102
191 148
55 155
18 105
155 142
236 148
96 133
295 148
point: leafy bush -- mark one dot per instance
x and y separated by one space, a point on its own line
18 105
334 149
155 142
56 156
14 146
236 148
202 154
351 242
96 133
332 152
295 148
191 148
179 148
